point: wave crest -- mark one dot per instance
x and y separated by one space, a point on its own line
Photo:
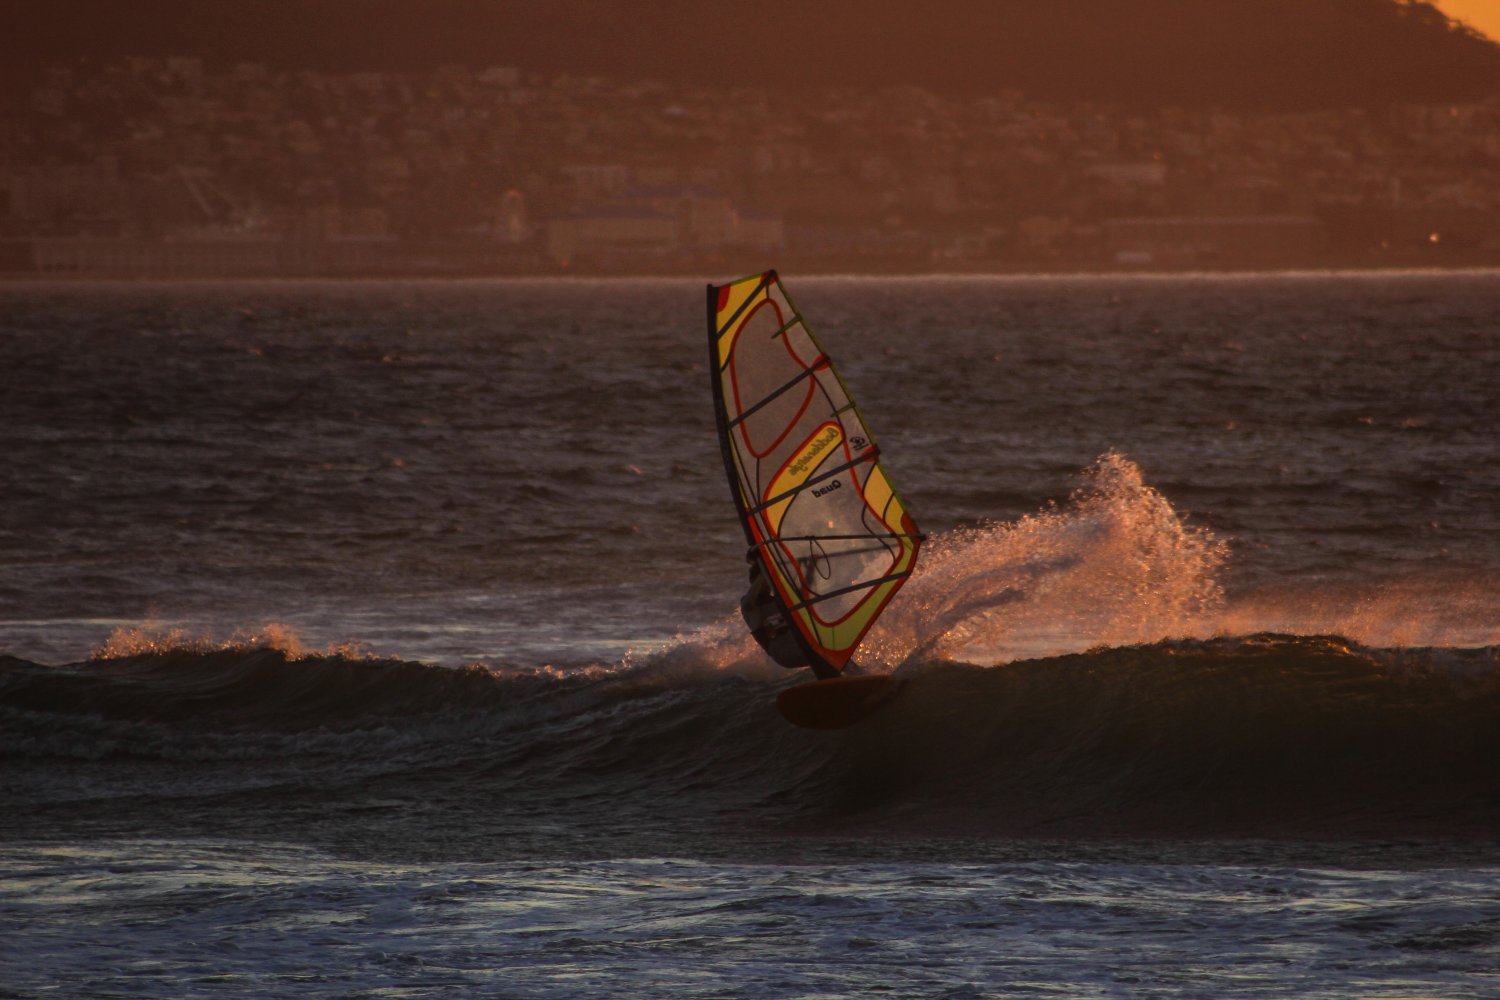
1245 736
153 638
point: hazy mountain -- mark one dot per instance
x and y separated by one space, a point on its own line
1273 53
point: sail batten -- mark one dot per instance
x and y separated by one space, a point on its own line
832 536
790 384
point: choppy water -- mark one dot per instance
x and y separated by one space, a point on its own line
373 639
292 922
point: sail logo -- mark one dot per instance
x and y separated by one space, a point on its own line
814 448
824 490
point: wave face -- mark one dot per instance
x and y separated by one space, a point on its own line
1256 735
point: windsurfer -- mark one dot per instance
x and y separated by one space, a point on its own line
768 623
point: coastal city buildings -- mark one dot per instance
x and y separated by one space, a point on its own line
171 167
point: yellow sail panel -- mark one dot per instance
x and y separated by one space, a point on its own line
731 303
818 509
797 470
880 497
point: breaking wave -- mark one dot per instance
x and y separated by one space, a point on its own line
1076 672
1114 565
1257 734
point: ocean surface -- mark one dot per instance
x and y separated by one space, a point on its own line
381 640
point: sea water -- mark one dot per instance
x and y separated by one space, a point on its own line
371 639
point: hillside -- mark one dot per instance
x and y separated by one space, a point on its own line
1283 54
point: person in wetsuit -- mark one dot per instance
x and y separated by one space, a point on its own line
770 625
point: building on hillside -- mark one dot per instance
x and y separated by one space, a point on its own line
664 223
1209 239
758 231
511 223
611 232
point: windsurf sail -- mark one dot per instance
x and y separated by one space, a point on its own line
833 537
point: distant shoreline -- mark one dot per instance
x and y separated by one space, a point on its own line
715 271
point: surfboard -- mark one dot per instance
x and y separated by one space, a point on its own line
836 702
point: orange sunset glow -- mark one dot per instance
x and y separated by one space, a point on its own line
1481 15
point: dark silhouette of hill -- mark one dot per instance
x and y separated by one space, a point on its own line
1287 54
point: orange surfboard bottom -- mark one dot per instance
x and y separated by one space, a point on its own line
836 702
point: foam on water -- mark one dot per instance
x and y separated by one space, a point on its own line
1113 565
1411 610
159 637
